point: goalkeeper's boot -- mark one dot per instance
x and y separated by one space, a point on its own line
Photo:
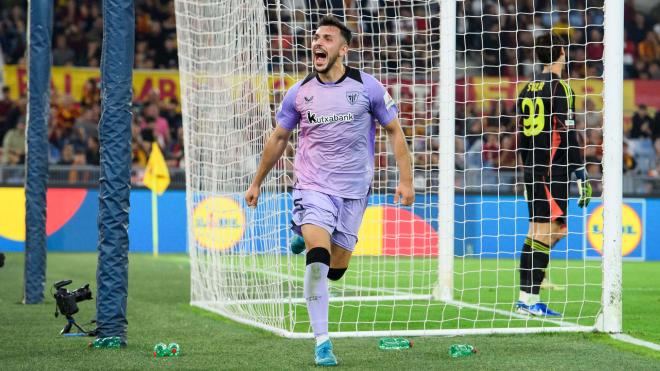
324 355
297 244
538 309
521 307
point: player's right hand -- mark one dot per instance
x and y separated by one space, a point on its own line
252 196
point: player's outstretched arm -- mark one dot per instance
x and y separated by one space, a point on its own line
273 150
404 191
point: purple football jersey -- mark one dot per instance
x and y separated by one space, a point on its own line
335 152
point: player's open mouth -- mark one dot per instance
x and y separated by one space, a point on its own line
320 56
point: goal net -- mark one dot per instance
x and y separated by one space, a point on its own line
446 265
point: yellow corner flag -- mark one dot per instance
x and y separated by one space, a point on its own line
157 179
156 176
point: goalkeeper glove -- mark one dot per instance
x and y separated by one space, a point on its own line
584 187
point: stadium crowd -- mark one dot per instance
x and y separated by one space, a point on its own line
495 38
73 125
73 128
498 40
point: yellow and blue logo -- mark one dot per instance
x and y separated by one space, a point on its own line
218 223
632 230
62 203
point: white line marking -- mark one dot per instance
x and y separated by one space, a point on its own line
633 340
511 314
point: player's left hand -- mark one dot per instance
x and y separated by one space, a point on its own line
405 193
584 187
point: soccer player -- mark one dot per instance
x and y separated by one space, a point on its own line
336 107
550 152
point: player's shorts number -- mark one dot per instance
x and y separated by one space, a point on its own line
535 121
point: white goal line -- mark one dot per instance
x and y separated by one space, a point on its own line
380 333
401 295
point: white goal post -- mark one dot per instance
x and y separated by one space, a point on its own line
612 318
447 265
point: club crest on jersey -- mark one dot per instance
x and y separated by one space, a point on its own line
315 119
352 96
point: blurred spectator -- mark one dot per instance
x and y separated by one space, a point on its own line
643 134
593 118
93 54
629 56
595 45
75 175
649 49
419 141
642 126
644 153
491 151
593 149
629 162
92 154
13 38
67 156
67 112
88 122
140 145
9 112
654 71
637 29
175 151
656 124
170 111
63 55
13 145
508 152
168 58
91 94
157 126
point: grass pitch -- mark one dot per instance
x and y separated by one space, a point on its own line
158 311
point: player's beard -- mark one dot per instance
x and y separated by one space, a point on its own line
329 65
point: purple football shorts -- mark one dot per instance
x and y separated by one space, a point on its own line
341 217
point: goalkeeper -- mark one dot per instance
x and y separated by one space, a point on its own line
335 107
550 152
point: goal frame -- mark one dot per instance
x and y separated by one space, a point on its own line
610 317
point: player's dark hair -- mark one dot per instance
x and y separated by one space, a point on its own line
331 20
548 47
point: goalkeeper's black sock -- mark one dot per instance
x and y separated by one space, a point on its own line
525 270
533 262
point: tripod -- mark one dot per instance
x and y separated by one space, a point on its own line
66 331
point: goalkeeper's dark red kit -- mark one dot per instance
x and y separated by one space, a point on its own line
548 145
